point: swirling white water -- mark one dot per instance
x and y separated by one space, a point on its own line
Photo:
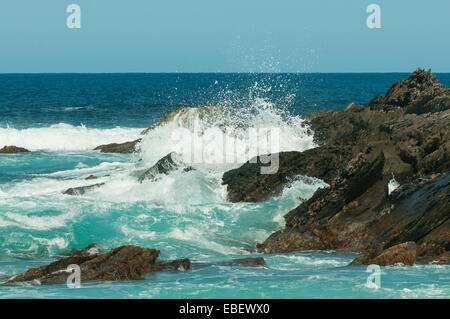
184 214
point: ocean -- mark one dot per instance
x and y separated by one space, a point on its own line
62 117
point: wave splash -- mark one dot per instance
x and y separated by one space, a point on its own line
65 137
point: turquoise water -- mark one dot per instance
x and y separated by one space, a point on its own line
183 214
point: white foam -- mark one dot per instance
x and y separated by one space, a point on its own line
393 185
65 137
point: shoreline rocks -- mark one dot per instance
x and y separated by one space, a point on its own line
127 262
122 263
122 148
185 116
169 163
13 150
404 133
82 189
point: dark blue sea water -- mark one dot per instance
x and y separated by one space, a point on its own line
134 100
62 117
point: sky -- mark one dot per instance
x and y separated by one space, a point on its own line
223 36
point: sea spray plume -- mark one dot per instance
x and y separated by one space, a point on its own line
65 137
230 136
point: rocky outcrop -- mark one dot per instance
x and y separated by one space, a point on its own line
239 262
127 147
82 189
420 93
121 263
404 253
405 133
184 116
371 222
13 150
169 163
247 184
90 177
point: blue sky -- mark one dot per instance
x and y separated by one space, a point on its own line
224 36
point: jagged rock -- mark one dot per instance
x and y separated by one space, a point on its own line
404 253
250 262
187 115
416 94
373 222
13 150
121 263
91 177
82 189
247 184
169 163
240 262
127 147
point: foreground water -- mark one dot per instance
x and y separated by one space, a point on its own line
182 214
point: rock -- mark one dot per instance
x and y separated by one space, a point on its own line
91 177
308 226
373 222
82 189
350 106
127 147
404 253
13 150
89 250
414 94
250 262
169 163
185 116
247 184
240 262
121 263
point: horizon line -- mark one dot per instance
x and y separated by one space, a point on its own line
175 72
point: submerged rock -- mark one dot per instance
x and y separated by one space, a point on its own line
121 263
13 150
169 163
240 262
127 147
82 189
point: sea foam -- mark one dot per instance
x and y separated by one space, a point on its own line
65 137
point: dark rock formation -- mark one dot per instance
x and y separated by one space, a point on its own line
404 253
247 184
405 132
372 222
13 150
240 262
121 263
419 93
91 177
169 163
127 147
82 189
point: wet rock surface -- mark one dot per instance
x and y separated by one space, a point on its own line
82 189
169 163
122 263
13 150
124 148
405 133
185 117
